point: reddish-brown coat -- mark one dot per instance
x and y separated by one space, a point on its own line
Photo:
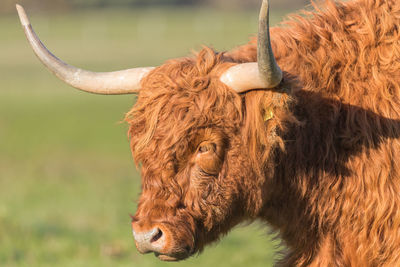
323 172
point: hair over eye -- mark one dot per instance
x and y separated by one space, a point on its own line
207 147
208 159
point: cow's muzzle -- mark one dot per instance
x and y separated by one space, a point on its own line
159 240
149 241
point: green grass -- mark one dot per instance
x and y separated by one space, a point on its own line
67 180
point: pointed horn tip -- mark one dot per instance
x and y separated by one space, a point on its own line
22 15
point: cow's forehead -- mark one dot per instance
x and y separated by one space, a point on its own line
177 99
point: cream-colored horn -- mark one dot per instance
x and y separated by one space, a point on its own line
107 83
256 75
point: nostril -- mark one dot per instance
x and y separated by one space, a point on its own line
157 236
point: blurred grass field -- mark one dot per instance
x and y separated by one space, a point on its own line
67 179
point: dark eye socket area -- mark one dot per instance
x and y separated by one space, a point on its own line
209 158
207 147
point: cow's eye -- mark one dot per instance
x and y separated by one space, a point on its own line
208 159
207 147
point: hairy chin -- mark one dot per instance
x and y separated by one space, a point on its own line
171 258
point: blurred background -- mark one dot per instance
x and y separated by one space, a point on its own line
7 6
67 179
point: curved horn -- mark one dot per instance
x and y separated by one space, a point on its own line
108 83
264 74
269 70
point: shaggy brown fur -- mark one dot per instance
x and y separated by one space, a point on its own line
323 171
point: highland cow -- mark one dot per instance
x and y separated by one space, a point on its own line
313 150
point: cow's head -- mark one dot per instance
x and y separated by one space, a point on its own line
186 136
186 130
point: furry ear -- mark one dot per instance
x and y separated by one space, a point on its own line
207 58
